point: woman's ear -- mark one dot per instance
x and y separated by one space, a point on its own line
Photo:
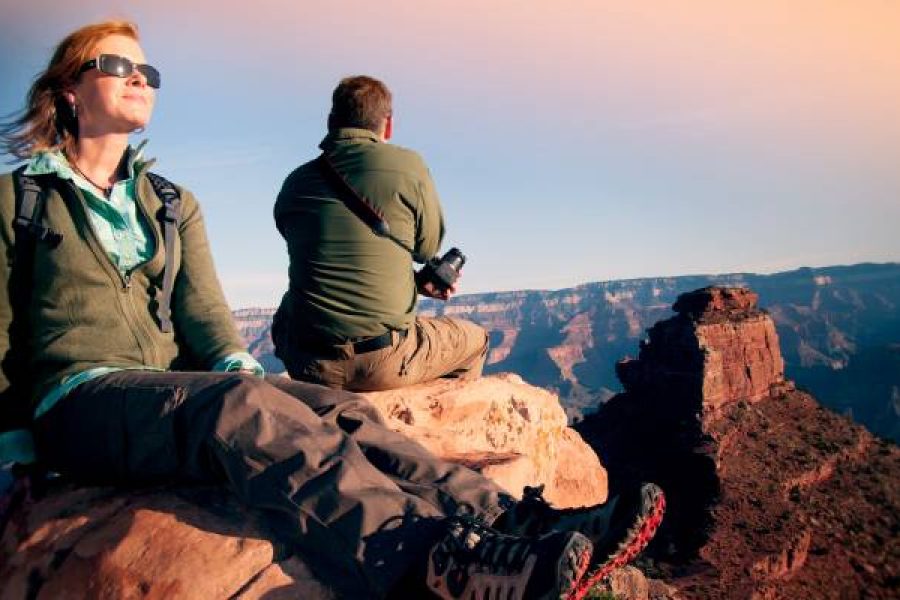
71 99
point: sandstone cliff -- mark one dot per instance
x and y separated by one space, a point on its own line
770 495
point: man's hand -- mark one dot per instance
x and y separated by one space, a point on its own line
429 289
432 291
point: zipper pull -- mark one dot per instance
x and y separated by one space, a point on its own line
126 282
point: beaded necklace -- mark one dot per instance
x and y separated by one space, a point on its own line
105 190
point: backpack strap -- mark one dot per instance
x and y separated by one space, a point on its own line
30 211
171 199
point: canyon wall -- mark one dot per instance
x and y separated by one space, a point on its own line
839 329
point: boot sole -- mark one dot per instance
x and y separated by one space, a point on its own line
580 550
636 540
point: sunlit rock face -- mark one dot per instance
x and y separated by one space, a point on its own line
513 432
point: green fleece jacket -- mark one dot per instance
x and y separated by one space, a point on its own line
82 313
345 282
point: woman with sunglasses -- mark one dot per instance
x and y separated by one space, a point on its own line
85 290
101 369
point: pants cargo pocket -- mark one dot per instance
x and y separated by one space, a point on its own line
150 446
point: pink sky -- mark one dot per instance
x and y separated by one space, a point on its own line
723 135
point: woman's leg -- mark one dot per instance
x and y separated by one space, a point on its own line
275 453
452 487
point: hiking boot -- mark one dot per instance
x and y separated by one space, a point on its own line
619 528
474 561
635 519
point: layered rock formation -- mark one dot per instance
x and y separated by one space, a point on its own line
770 495
839 329
721 347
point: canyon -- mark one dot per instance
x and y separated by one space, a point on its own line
839 329
770 495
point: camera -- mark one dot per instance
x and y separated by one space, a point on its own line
442 272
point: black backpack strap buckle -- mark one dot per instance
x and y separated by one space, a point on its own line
38 233
30 212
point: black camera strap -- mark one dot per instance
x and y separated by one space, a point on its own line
367 212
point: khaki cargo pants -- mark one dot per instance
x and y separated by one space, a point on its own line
361 503
433 348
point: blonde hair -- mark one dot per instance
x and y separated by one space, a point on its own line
48 121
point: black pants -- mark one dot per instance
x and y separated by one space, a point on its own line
365 498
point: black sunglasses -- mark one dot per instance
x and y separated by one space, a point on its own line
119 66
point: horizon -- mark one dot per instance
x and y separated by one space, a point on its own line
570 143
463 295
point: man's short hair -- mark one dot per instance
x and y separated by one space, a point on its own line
359 101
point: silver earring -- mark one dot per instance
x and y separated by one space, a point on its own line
74 110
138 130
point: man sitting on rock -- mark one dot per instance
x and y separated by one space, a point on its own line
354 220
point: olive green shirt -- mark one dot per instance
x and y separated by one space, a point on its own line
345 282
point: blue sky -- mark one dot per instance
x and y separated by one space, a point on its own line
570 141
